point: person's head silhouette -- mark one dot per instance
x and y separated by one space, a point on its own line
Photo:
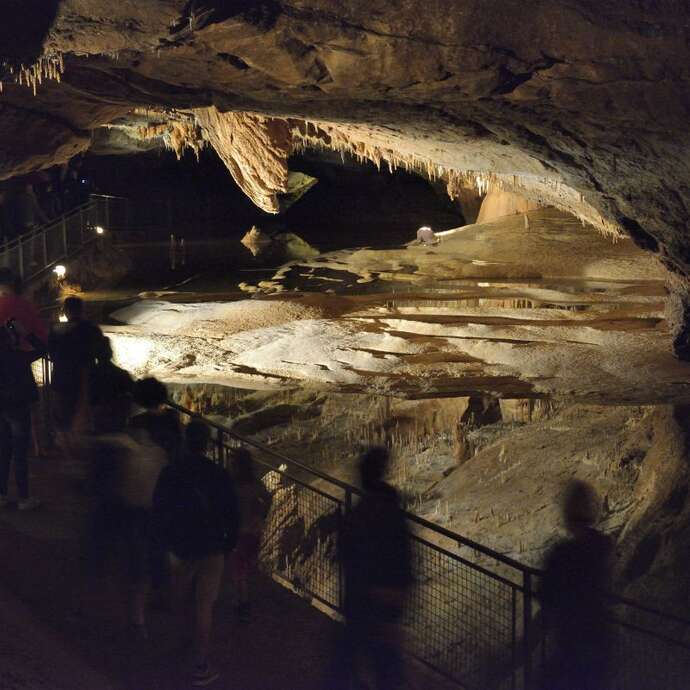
242 464
197 437
104 350
580 506
372 466
73 308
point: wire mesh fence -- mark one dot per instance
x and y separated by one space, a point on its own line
300 541
649 650
471 614
462 619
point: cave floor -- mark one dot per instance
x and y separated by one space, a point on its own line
526 306
65 630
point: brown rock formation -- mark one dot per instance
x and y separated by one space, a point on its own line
584 107
254 149
499 203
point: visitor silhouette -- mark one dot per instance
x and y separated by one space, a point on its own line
254 505
160 422
110 391
23 338
74 347
196 521
577 574
123 474
376 558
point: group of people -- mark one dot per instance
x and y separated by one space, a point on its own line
175 518
160 507
375 550
41 198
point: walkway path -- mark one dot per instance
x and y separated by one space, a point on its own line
69 631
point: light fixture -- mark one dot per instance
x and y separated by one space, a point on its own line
62 318
60 271
99 230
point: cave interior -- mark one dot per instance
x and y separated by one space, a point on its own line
540 333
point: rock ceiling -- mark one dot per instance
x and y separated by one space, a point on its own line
582 104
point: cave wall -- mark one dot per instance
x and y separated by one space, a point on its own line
589 96
499 203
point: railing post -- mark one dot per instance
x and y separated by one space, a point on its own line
173 252
220 446
64 235
169 212
81 225
45 247
347 503
344 515
527 628
20 255
513 640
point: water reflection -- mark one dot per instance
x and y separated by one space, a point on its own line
278 248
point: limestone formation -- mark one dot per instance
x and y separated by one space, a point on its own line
497 204
254 149
584 108
551 311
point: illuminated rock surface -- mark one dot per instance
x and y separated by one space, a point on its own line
583 108
553 309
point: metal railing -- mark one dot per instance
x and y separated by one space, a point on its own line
34 252
132 220
473 614
38 250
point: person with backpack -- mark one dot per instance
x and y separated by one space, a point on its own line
254 504
73 348
196 520
23 339
160 422
111 391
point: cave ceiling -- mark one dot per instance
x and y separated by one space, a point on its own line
581 104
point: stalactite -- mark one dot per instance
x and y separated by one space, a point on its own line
46 67
320 135
178 135
255 150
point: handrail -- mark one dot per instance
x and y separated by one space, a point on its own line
454 536
38 230
534 634
108 196
351 488
618 599
257 444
